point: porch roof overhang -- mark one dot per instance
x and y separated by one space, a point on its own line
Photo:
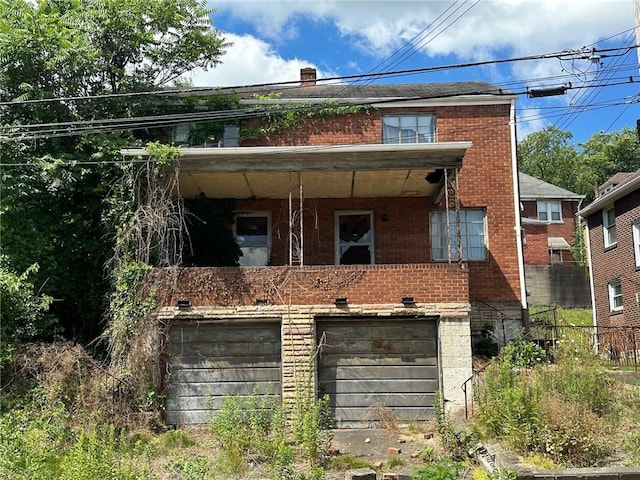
329 171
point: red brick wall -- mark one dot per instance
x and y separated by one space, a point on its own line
616 262
485 182
312 285
536 249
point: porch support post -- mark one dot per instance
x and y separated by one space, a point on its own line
452 202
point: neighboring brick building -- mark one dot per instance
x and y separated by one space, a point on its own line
613 230
371 241
549 224
548 219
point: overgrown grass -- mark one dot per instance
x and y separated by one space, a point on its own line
566 412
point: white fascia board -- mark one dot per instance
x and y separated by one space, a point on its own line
393 102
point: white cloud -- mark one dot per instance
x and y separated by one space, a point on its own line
249 61
466 29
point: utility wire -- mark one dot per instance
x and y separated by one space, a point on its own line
294 83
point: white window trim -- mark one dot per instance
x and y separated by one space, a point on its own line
636 242
336 230
454 254
606 227
611 290
547 203
257 213
433 125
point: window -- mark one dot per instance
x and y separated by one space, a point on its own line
253 235
615 295
609 226
636 243
472 235
354 237
408 129
549 211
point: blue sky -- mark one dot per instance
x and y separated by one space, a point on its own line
272 40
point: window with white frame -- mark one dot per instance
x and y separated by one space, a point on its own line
354 237
636 242
408 128
549 211
252 232
609 226
472 235
615 295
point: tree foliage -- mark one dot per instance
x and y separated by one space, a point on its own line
57 190
551 156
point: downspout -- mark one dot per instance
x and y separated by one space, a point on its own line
591 288
518 226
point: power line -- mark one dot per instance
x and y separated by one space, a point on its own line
582 53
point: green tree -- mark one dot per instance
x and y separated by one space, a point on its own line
22 309
549 155
56 188
605 154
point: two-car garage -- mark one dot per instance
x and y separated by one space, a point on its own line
362 363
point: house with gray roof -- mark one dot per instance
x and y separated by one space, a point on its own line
371 240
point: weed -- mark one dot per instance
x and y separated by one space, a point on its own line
198 468
342 463
455 443
443 469
478 473
383 416
311 425
631 445
176 439
393 462
539 460
427 454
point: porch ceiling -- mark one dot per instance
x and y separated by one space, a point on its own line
338 171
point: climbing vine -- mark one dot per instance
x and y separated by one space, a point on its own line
276 118
147 214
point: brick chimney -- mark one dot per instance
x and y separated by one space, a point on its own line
307 77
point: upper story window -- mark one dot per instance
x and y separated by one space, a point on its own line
472 235
408 128
636 243
615 295
609 226
549 211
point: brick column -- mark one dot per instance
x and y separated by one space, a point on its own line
298 342
454 340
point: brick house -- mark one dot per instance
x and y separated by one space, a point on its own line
371 242
612 224
548 220
549 224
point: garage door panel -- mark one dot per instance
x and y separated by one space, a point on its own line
226 349
384 329
196 402
377 345
359 417
222 359
375 385
220 332
372 362
329 360
206 375
381 372
199 362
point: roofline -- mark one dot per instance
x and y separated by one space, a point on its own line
390 102
319 158
551 197
616 194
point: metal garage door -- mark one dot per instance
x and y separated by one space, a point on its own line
208 360
367 363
